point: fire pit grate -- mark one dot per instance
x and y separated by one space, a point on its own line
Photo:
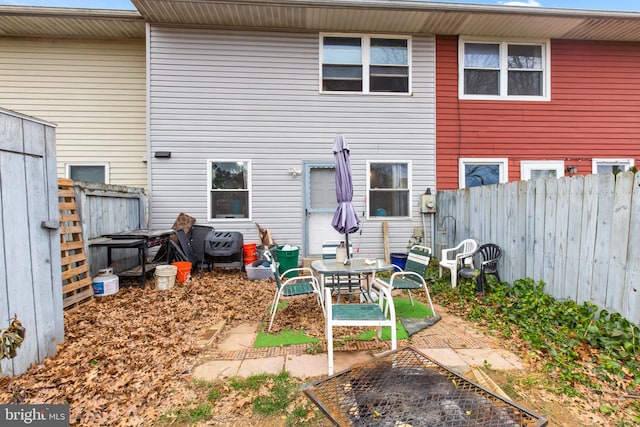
405 388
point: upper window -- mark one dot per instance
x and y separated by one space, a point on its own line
504 70
229 193
610 165
531 169
476 172
389 189
365 64
89 173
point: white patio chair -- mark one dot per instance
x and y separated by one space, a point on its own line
412 277
358 315
304 283
458 257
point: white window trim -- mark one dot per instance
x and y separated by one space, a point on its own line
366 63
546 69
611 162
502 162
67 169
526 166
249 189
409 185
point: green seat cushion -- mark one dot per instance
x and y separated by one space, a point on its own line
301 288
357 312
402 283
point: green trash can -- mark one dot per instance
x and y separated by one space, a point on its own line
287 257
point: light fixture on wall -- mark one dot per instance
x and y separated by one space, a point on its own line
572 169
294 172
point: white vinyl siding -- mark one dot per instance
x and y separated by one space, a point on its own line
93 90
254 96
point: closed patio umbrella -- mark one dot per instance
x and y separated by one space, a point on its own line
345 219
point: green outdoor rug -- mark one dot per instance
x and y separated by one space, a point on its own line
404 311
416 314
286 337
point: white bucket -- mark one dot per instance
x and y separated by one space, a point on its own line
165 276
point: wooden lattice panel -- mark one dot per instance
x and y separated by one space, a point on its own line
76 281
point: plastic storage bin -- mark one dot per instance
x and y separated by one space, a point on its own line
259 272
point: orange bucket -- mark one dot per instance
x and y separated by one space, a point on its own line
184 271
250 253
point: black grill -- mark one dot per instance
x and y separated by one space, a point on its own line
407 388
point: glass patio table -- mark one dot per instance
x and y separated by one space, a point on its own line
358 266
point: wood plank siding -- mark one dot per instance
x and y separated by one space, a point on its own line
594 112
255 96
95 92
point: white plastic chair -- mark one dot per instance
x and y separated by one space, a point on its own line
379 314
412 277
304 283
458 257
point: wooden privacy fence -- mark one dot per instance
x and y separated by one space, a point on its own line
106 209
577 234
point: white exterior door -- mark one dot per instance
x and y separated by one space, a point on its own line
320 204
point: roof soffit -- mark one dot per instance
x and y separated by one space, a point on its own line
67 22
394 16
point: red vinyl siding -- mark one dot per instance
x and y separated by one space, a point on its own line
594 112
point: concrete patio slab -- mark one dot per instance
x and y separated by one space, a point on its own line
216 369
307 365
245 328
241 337
447 357
345 359
480 356
267 365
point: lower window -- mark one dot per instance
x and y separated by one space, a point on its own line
389 189
229 193
531 169
610 165
474 172
88 173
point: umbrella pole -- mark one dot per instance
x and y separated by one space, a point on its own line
348 259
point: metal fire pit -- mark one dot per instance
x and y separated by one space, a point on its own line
405 388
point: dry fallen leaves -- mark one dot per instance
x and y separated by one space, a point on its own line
126 356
